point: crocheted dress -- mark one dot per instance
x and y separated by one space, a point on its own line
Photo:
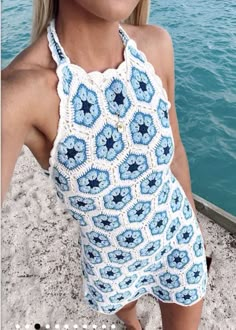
110 166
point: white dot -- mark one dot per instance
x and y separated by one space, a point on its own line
27 326
47 326
17 326
57 326
94 326
66 326
113 326
76 326
104 326
85 326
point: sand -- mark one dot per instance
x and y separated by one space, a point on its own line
41 273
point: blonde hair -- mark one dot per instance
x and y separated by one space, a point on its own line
45 10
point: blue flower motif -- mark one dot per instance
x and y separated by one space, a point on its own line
67 79
60 195
94 181
142 85
128 281
119 256
110 272
158 224
98 239
187 209
178 258
144 280
102 286
133 166
161 293
111 309
198 246
163 251
81 203
154 267
140 292
138 264
136 53
186 296
185 235
92 254
88 268
106 222
72 152
130 238
164 193
176 200
77 217
164 150
120 296
142 128
151 183
117 198
84 272
139 211
95 293
150 248
174 226
86 106
91 301
170 280
195 274
117 98
162 110
173 178
60 180
109 143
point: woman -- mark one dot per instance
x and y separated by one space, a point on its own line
115 157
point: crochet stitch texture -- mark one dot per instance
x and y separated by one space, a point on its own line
138 231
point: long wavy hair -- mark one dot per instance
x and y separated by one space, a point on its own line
45 10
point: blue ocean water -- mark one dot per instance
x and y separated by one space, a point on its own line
204 38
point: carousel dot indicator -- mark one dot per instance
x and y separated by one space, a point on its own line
37 326
47 326
57 326
113 326
27 326
104 326
66 326
17 326
75 326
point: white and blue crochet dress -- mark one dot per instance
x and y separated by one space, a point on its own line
139 234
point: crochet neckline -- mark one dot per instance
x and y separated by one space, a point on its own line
61 58
124 37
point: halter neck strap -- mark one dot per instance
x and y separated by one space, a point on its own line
58 52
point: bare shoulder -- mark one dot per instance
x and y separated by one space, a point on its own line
150 37
29 76
156 43
33 64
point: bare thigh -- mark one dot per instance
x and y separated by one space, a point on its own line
128 313
177 317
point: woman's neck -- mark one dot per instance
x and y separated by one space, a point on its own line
88 40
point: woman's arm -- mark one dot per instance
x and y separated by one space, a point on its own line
16 122
179 165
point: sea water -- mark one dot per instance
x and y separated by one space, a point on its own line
204 40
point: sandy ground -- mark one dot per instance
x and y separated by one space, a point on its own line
41 274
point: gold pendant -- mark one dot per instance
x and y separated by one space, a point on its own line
120 126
